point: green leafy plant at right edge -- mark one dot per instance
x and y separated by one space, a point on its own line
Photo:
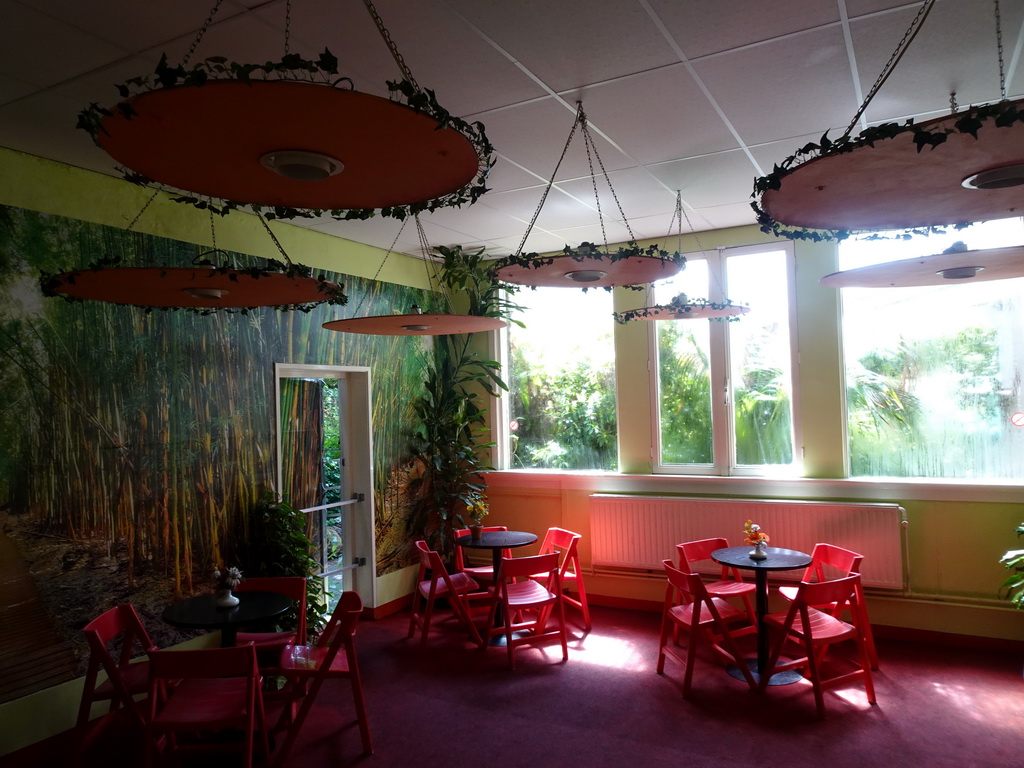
1014 584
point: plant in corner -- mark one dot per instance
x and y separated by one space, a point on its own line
1014 584
276 544
452 432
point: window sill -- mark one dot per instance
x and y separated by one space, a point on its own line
859 489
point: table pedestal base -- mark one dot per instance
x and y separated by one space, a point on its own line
788 677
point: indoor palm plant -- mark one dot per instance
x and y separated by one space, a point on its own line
452 433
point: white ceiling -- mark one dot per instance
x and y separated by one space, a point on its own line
700 96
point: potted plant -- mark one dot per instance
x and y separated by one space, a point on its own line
476 511
448 444
1014 584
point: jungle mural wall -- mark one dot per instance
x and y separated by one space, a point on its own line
134 444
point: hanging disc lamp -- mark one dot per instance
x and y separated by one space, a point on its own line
681 307
589 265
954 170
955 265
291 135
416 322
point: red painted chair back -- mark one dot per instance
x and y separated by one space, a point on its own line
566 544
292 587
333 656
200 692
125 680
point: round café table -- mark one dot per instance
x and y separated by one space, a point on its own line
778 560
202 612
496 541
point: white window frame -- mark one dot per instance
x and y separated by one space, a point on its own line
722 416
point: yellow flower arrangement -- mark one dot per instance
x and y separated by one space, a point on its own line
754 534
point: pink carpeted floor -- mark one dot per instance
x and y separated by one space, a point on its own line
452 705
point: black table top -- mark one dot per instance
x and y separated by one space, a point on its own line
201 612
497 540
778 559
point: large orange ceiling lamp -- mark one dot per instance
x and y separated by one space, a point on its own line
292 138
952 171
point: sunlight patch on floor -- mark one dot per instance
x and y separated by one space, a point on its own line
613 652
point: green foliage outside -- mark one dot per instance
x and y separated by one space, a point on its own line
566 420
928 408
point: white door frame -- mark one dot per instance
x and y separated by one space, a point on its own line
357 421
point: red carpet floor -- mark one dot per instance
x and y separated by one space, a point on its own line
454 706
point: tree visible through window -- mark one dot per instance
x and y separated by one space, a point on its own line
933 373
562 381
724 389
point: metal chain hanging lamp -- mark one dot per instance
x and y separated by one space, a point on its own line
292 137
416 322
588 265
205 287
682 307
951 171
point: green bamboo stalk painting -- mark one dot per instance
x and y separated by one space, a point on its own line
153 433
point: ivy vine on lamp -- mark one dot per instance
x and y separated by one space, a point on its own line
292 138
589 265
682 307
924 177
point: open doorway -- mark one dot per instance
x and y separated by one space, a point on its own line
325 468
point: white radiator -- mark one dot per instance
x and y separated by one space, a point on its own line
640 531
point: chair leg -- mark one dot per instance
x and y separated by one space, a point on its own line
582 602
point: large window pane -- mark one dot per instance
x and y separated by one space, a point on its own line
562 381
760 360
748 426
684 374
933 373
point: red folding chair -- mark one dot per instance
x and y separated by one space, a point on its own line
527 602
125 680
201 693
566 543
689 606
308 668
477 572
828 562
729 582
814 631
270 644
440 584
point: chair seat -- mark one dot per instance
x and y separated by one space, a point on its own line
824 628
527 592
461 582
264 639
729 588
308 660
200 701
684 613
134 676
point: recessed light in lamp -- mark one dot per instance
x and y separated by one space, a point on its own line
996 178
301 165
960 273
586 275
205 293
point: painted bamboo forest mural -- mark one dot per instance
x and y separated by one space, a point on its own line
134 445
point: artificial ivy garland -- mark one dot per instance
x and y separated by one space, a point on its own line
589 251
1001 114
51 283
322 71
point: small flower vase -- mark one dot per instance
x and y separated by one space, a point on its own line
224 599
476 531
759 552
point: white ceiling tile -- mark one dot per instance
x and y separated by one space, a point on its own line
76 51
780 89
727 177
703 27
569 45
657 115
